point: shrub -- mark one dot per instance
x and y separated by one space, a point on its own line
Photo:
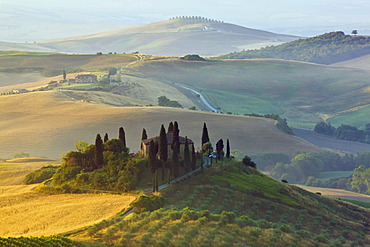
40 175
148 203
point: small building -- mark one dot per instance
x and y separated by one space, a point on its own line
145 145
86 78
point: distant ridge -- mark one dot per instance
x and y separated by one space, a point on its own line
328 48
175 37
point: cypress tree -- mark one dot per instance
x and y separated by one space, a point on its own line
205 137
227 149
144 136
122 136
99 159
219 148
176 137
193 158
170 127
106 138
175 161
64 74
152 161
163 150
187 160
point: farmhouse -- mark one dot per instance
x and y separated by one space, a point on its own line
145 145
84 78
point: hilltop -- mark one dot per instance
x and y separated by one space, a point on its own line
328 48
47 124
176 37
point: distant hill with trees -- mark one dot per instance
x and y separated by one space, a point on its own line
328 48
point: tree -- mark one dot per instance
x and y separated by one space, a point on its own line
248 162
144 136
187 160
81 146
176 137
175 161
227 149
153 164
122 136
162 148
170 127
193 158
219 148
205 137
355 32
106 138
64 75
99 159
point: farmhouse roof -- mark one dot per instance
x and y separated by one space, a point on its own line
169 139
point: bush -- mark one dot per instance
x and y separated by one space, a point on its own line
65 173
40 175
148 203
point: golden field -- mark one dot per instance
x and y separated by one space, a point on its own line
48 123
25 212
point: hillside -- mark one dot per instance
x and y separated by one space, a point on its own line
175 37
47 124
359 63
303 93
202 211
328 48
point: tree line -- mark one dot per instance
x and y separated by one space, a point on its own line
323 49
344 132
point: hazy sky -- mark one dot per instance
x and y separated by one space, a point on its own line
24 20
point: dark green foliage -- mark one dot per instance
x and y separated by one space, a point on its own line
324 49
115 146
219 148
40 175
112 71
175 160
39 241
99 159
148 203
360 181
187 158
205 137
170 127
281 123
106 138
153 164
248 162
65 173
266 161
122 136
144 136
193 57
227 148
164 101
162 145
64 74
193 158
176 137
324 128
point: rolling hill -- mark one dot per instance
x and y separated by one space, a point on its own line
304 93
328 48
175 37
47 124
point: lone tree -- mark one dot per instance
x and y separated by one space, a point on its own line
152 160
248 162
187 160
162 149
144 136
227 149
205 137
64 75
99 159
122 136
106 138
355 32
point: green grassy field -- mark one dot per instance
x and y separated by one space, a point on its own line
336 174
300 92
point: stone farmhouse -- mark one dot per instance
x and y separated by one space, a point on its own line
84 78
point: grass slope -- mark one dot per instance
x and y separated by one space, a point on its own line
231 204
173 37
54 122
301 92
